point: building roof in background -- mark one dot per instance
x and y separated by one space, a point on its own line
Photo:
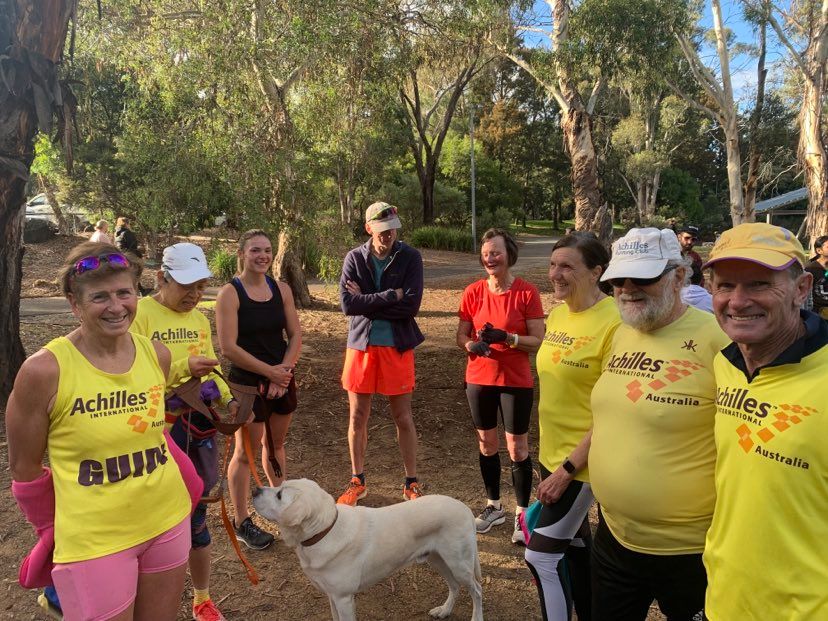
783 200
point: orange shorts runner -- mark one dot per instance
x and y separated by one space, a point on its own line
378 369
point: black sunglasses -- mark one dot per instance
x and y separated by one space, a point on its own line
641 282
385 213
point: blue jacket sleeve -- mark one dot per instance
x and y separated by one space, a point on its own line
363 303
409 305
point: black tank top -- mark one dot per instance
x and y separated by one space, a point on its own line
261 328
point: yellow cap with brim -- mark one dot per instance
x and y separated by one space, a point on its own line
770 246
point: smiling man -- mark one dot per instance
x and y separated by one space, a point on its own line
380 290
652 456
765 551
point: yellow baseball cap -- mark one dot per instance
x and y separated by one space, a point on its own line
768 245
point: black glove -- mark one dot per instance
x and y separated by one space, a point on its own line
480 348
490 334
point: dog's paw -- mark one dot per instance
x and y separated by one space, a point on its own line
440 612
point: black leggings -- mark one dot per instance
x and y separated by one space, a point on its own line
513 404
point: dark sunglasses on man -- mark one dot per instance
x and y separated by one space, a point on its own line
641 282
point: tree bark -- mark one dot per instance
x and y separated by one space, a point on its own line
754 151
49 190
287 265
30 30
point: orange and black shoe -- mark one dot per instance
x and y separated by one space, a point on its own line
207 611
355 492
413 491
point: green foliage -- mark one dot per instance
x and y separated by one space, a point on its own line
328 241
680 196
222 263
442 238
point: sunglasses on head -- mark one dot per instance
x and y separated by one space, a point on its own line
385 213
89 264
641 282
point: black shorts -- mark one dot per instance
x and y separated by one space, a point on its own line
514 405
263 407
625 583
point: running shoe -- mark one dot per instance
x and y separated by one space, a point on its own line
48 600
207 611
355 492
413 491
252 536
491 516
517 536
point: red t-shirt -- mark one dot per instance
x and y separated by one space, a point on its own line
507 311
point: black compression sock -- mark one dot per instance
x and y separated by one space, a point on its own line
490 470
360 476
522 481
410 480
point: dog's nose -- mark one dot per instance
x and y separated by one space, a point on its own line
256 491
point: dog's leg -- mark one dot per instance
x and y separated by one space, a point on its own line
334 613
436 561
343 606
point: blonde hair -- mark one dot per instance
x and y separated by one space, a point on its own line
246 237
72 283
100 224
122 221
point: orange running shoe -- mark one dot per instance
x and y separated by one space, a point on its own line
355 492
412 492
207 611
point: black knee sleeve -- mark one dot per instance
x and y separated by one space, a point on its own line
490 470
522 480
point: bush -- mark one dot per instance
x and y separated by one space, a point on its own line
326 246
441 238
222 263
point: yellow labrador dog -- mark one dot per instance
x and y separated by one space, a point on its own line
344 550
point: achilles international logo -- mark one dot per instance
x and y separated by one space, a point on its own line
143 407
178 335
565 345
653 375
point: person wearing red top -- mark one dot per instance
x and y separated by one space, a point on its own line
501 323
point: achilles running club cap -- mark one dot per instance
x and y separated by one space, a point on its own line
185 263
642 253
382 217
766 244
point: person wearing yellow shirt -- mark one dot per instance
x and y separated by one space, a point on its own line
652 456
171 317
111 511
765 551
574 349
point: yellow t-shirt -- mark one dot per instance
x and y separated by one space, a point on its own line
116 484
569 362
652 456
184 334
766 549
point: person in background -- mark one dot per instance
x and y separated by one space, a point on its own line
259 332
94 400
688 236
652 455
171 316
100 235
818 268
574 350
380 291
696 295
125 239
501 323
765 550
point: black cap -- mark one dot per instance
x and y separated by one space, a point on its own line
689 228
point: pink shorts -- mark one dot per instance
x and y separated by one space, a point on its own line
378 369
103 587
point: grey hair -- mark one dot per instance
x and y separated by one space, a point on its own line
687 264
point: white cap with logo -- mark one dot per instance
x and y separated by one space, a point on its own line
185 263
642 253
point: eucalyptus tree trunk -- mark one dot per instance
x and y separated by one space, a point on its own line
754 150
32 34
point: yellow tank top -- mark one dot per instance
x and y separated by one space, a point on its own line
765 551
116 484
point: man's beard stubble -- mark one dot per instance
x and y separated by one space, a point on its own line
655 312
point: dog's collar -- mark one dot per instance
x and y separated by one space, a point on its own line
321 534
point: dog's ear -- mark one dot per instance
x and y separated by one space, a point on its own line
296 512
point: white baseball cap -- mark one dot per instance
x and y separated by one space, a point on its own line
185 263
642 253
382 217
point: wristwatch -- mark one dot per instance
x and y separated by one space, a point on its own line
569 466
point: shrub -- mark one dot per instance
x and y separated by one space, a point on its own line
441 238
326 246
222 263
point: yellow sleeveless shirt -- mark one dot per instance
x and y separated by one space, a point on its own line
116 484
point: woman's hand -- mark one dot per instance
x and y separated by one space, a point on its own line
490 334
552 487
479 348
274 391
201 365
280 375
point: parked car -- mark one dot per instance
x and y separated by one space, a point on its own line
38 208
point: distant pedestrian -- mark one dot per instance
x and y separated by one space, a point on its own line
818 268
501 323
688 236
696 295
125 238
101 233
380 290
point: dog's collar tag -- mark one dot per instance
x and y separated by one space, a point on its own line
321 534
